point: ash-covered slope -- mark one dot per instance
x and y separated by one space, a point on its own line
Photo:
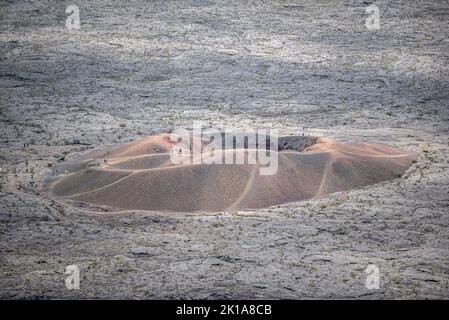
141 175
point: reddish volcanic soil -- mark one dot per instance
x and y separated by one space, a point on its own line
141 176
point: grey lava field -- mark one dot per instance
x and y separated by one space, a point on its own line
136 69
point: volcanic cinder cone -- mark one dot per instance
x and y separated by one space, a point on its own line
141 175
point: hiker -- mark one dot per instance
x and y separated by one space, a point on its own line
305 130
105 160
